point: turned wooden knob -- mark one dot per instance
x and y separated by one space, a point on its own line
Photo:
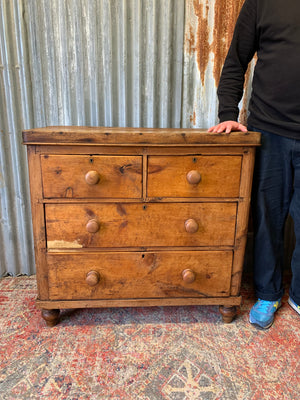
92 278
92 177
93 226
188 276
193 177
191 226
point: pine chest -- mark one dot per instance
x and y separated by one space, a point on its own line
139 217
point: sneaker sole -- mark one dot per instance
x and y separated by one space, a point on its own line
262 328
293 306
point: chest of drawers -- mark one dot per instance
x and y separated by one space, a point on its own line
139 217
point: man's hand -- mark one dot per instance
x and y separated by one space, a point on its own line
227 127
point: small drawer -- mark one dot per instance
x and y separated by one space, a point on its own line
194 176
84 176
109 225
139 275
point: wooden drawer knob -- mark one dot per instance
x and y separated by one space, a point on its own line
188 276
191 226
92 278
93 226
92 177
193 177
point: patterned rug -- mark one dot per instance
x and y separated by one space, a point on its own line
173 353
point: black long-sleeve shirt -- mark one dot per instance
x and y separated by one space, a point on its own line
272 29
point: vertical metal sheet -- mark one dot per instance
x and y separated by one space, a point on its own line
106 62
148 63
16 247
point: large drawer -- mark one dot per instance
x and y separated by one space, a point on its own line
139 275
84 176
140 225
194 176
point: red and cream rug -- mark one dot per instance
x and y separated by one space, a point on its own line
173 353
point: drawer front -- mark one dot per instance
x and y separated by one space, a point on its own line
194 176
140 225
139 275
84 176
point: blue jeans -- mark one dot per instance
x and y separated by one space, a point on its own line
275 193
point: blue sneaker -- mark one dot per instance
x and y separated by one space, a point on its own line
294 305
262 313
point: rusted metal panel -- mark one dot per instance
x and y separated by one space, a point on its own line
209 27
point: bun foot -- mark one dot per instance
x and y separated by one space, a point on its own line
51 317
228 313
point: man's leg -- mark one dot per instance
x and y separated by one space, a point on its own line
295 213
271 195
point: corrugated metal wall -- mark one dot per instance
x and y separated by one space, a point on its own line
16 248
105 62
147 63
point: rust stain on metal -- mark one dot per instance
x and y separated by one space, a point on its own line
190 41
226 13
193 118
202 42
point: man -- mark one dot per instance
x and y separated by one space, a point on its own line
270 28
